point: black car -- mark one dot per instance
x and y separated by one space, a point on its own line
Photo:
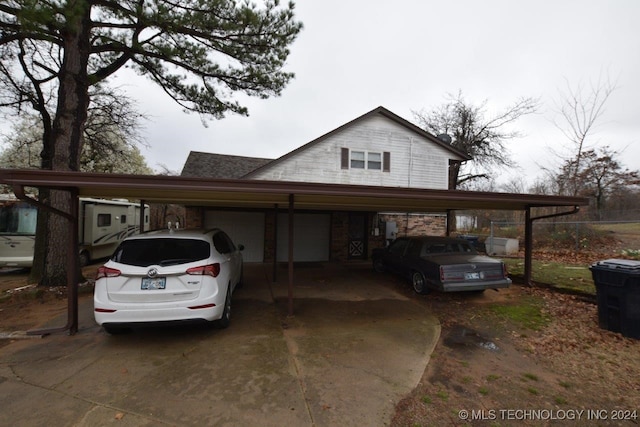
441 263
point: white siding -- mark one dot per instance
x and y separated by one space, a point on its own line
244 228
415 161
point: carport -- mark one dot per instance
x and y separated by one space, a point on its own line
260 194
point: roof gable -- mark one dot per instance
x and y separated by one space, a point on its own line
455 153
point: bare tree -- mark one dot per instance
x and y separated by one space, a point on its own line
580 109
475 132
111 137
598 174
23 147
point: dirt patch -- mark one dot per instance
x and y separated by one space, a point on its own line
489 369
25 306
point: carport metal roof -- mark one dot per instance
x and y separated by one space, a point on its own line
245 193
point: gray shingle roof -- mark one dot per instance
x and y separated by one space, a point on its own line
222 166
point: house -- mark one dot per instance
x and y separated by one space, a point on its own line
378 148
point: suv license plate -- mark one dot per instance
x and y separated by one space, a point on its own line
155 283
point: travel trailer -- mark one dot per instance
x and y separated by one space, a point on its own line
102 225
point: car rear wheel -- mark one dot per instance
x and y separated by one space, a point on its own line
225 320
419 283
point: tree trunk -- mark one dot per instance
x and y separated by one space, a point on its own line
454 173
63 153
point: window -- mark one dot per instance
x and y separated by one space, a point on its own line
352 159
374 161
415 247
398 246
223 243
357 160
18 219
123 219
104 220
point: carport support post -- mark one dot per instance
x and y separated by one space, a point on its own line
528 239
275 243
73 265
290 254
528 247
141 217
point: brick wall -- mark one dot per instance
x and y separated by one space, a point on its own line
194 217
162 214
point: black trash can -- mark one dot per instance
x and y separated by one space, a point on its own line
618 290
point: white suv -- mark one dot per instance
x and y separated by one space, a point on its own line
168 275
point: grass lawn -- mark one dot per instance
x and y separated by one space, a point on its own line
527 312
561 276
623 227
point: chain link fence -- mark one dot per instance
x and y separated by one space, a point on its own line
599 236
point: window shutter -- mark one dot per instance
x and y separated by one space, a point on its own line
345 158
386 162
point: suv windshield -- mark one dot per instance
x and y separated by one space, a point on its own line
161 251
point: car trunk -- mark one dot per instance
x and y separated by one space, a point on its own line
458 268
171 284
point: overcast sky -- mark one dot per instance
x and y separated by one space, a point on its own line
407 55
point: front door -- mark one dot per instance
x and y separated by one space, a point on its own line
358 235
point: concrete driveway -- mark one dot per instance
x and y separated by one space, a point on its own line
353 349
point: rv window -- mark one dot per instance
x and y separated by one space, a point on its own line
123 219
104 220
18 219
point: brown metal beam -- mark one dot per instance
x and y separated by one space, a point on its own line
141 216
262 193
275 243
291 201
528 248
